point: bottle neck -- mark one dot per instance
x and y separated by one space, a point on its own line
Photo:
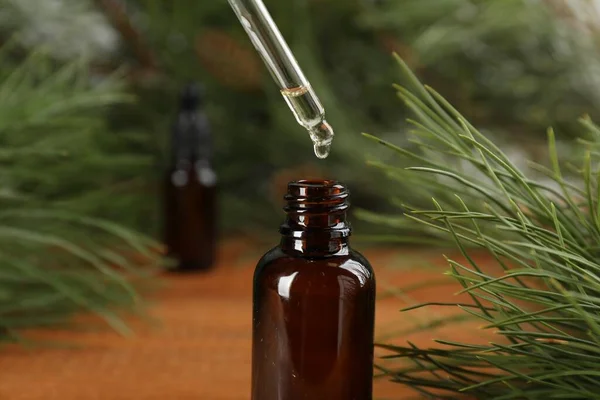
191 163
316 248
316 224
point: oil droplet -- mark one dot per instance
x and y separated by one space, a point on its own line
322 150
322 136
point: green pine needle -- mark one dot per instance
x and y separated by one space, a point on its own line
544 310
55 263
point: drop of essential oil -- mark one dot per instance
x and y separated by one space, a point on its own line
322 136
322 150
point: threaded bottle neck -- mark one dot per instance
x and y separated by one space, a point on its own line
316 217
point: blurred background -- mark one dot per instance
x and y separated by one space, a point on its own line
89 93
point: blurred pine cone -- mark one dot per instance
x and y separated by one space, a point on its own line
232 63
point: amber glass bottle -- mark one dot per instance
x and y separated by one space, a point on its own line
314 304
190 189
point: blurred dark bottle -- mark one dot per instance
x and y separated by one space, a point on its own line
314 304
190 231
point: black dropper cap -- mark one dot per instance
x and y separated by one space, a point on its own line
185 129
192 97
192 131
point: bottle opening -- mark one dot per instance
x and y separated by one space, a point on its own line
316 207
316 196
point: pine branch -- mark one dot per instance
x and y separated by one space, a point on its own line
53 263
544 310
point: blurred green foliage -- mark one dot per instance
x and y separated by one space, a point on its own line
512 66
54 262
515 65
513 75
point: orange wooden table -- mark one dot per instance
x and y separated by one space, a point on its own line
201 350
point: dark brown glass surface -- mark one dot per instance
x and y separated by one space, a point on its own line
190 220
314 306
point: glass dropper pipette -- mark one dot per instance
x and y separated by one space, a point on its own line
281 63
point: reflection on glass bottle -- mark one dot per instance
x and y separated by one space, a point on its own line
190 232
314 304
